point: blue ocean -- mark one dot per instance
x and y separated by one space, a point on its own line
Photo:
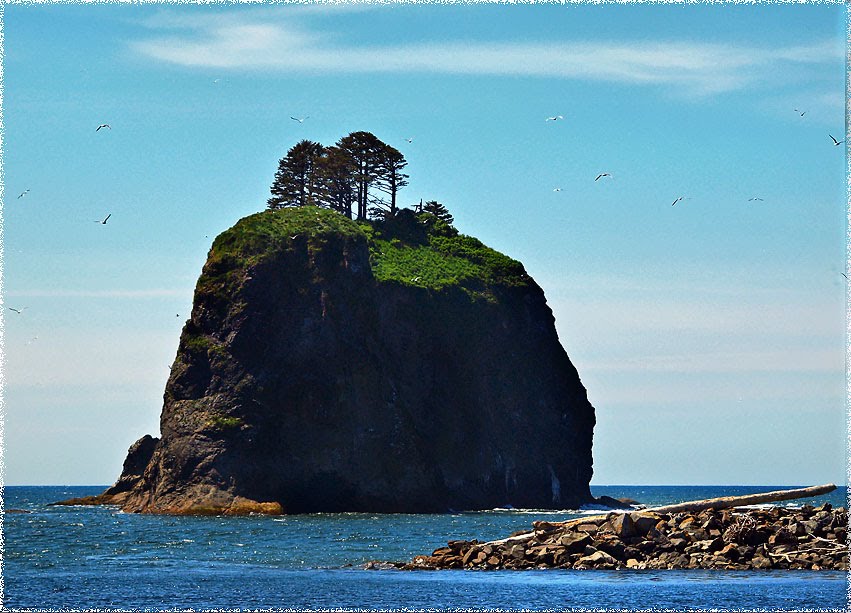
74 558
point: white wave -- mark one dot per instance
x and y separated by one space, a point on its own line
513 511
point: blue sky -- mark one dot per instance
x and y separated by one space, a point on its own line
710 334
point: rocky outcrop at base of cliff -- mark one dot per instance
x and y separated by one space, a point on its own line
331 365
741 539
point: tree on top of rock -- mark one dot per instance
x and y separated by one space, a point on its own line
342 176
336 170
297 179
391 178
438 210
365 150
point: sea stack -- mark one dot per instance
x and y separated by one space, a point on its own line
334 365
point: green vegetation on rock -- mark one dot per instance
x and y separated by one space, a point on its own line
418 249
224 422
256 237
415 249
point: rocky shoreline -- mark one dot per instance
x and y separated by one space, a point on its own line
730 539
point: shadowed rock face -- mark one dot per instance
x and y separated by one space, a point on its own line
304 383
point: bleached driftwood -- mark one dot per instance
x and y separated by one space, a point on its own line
728 502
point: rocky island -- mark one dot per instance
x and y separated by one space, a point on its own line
383 366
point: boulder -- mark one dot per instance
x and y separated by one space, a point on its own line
622 525
595 560
612 503
644 521
574 542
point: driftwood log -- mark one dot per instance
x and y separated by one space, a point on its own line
695 506
728 502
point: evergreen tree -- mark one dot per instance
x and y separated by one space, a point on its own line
336 171
364 149
391 178
297 179
438 210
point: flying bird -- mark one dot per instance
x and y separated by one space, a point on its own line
104 219
603 174
844 275
555 118
410 140
18 311
677 200
103 125
836 142
801 112
557 189
755 198
299 119
23 193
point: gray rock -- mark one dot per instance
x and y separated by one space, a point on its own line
597 558
622 525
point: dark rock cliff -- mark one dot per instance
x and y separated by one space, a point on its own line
336 366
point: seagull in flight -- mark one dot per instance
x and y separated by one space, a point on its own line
18 311
677 200
410 140
555 118
23 193
836 142
755 198
103 125
844 275
801 112
603 174
104 219
557 189
299 119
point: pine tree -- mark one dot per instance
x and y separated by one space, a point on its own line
297 179
438 210
364 149
336 171
391 178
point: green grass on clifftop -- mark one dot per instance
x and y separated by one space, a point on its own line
410 249
257 236
421 250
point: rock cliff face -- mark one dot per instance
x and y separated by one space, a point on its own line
335 366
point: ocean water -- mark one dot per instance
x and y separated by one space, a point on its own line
75 558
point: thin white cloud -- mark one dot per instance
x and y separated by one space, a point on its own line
265 42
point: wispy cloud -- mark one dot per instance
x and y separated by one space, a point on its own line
265 42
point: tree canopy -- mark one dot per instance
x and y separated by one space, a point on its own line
360 176
297 180
438 210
